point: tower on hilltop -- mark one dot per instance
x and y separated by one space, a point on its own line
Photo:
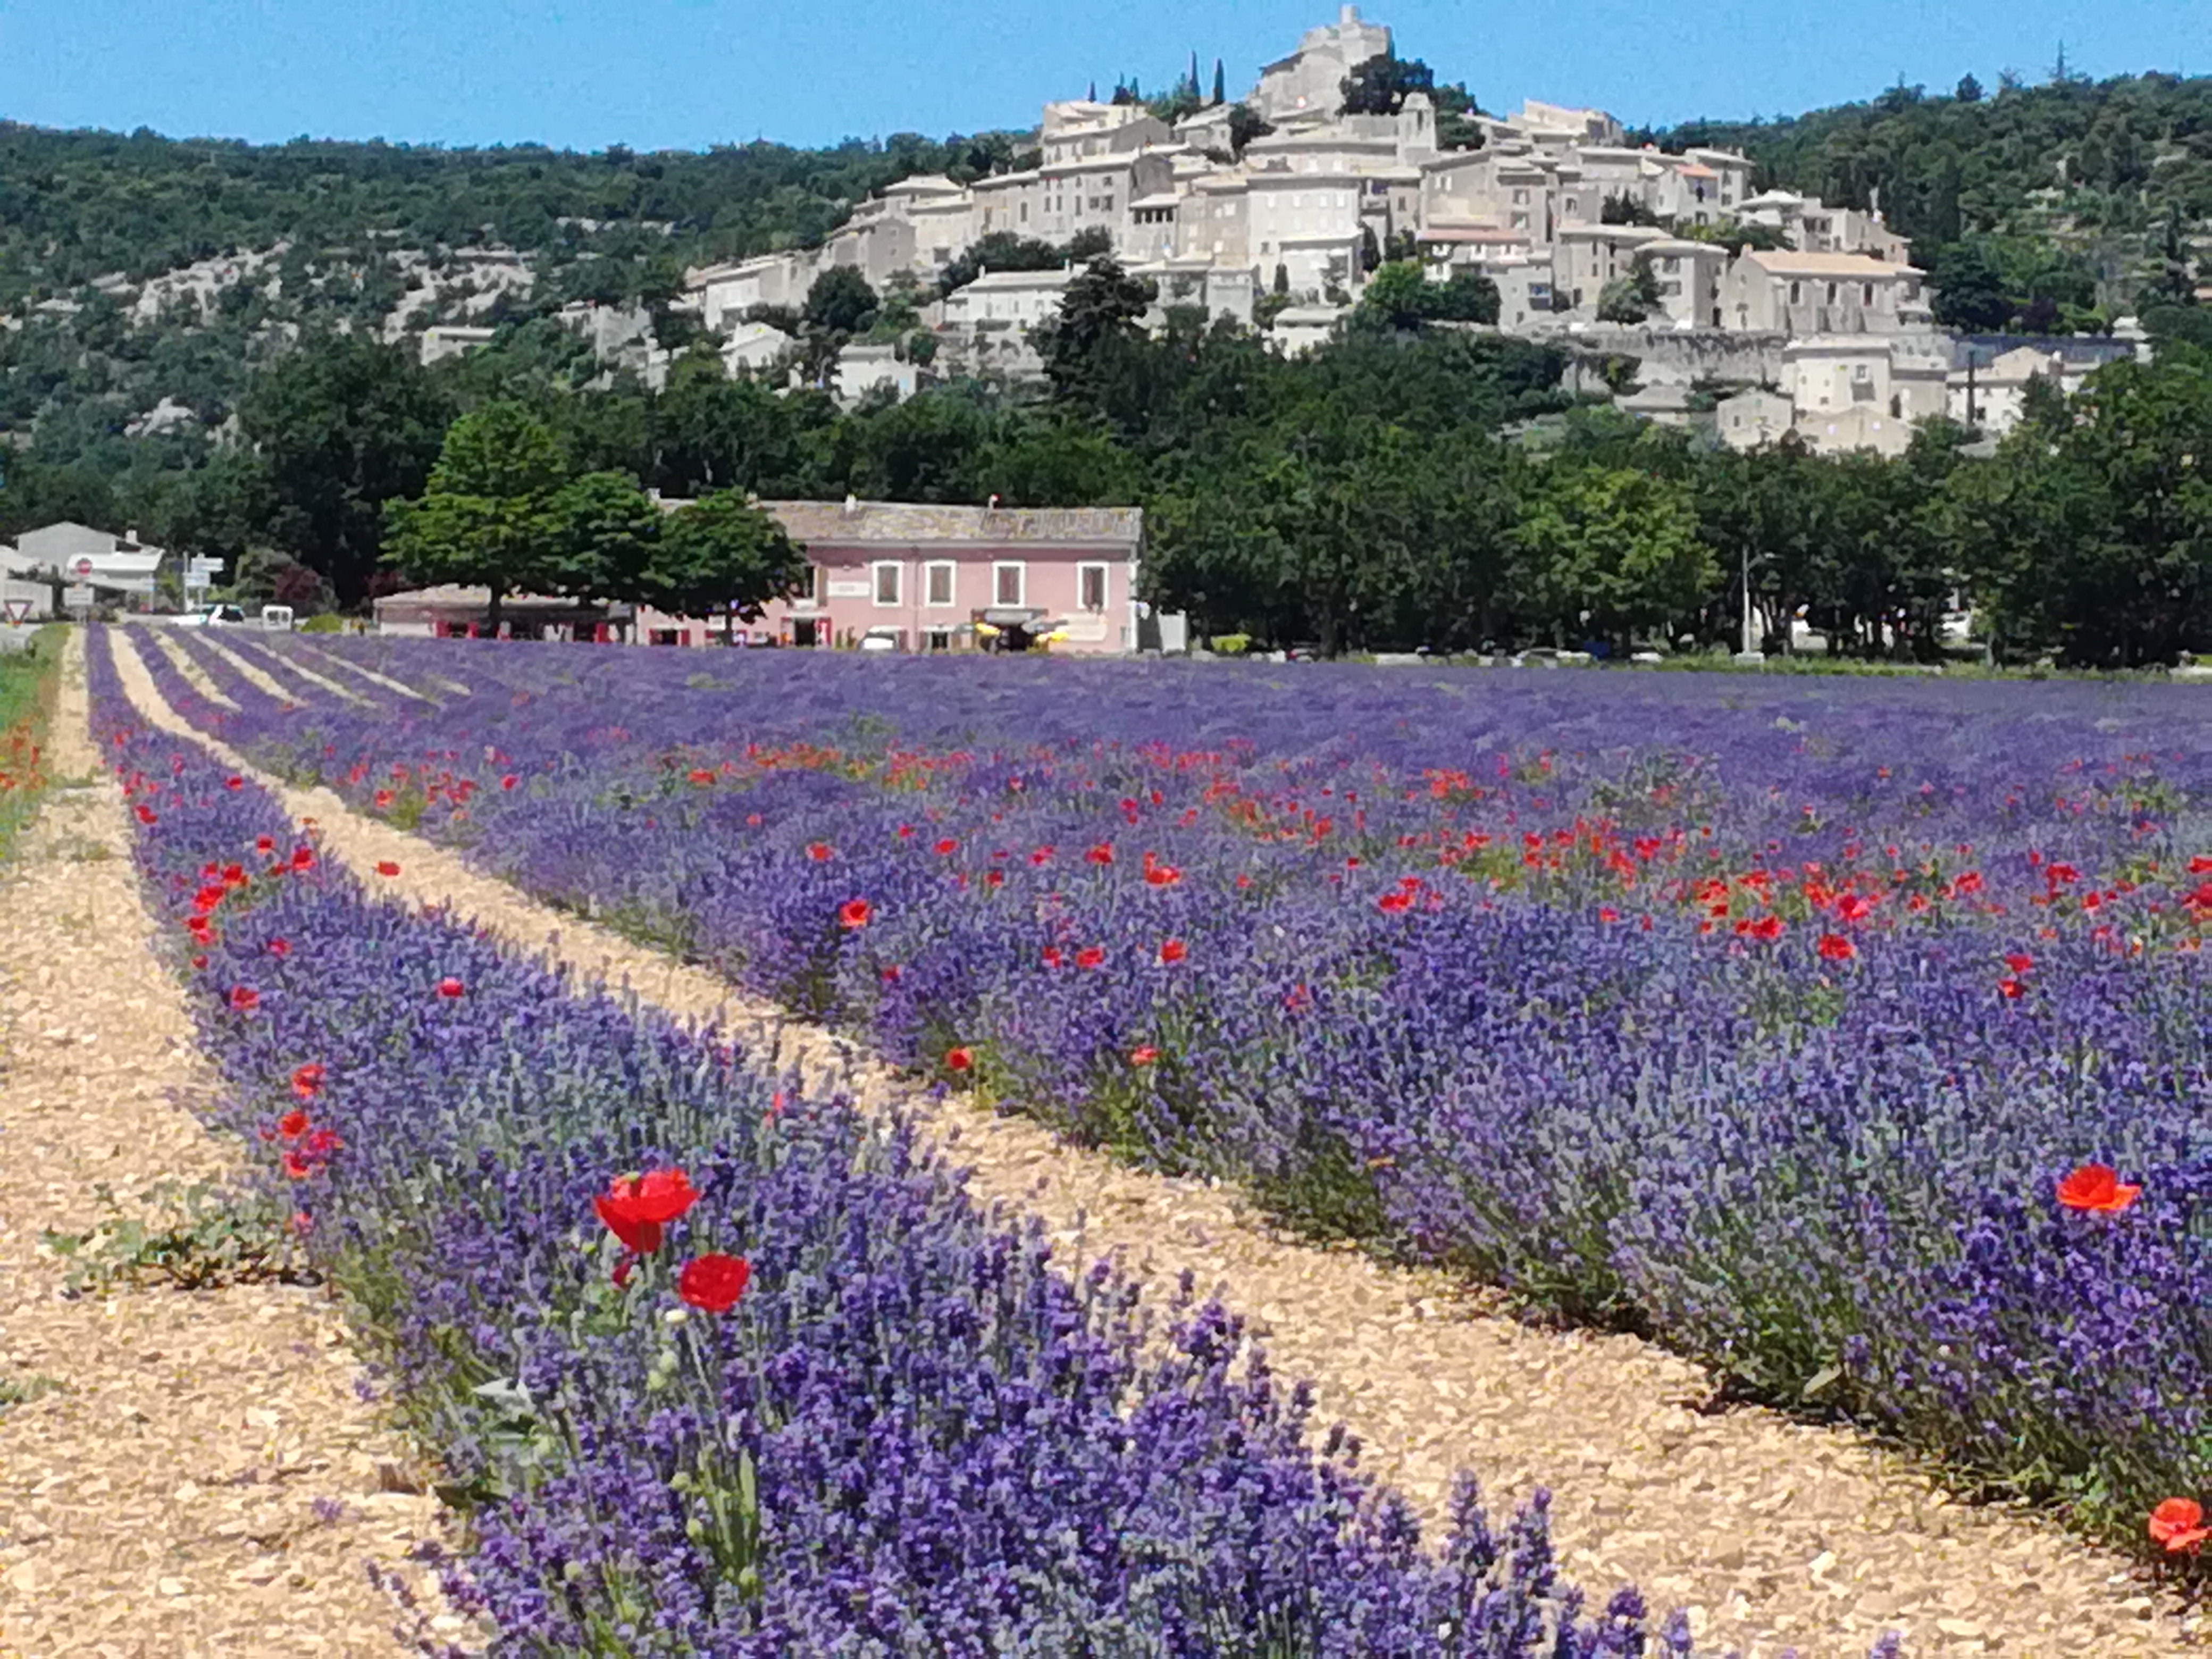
1308 81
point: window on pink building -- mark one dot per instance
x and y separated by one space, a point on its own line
938 590
887 581
1009 582
1090 580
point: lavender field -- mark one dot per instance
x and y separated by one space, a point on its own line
1848 1034
712 1366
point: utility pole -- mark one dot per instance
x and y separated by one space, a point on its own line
1750 641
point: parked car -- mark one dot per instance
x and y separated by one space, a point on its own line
880 639
208 616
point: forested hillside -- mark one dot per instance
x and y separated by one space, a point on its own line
74 206
2046 207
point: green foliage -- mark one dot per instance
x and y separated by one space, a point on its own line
1381 85
2092 170
329 623
719 556
216 1237
343 425
1400 296
1632 298
488 518
2090 534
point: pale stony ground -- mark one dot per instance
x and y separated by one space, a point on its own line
1774 1533
159 1487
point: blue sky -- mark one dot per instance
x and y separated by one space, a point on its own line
656 74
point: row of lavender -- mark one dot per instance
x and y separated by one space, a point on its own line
721 1369
1771 1024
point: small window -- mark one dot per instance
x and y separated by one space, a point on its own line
1796 292
1008 584
1869 300
939 573
939 639
1831 294
1090 579
888 572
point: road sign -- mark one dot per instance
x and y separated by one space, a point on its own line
81 568
19 613
77 598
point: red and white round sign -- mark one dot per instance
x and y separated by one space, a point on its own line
82 567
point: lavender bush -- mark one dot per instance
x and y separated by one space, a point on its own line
910 1433
1764 1018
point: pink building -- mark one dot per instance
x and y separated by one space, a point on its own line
919 578
954 578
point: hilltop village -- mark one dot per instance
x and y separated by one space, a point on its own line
1757 311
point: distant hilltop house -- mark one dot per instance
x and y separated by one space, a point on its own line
1554 207
917 578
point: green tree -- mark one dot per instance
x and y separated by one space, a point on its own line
344 425
1632 298
1610 553
840 304
1381 85
1969 90
720 557
1103 310
604 534
486 518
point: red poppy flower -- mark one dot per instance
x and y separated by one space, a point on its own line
303 858
306 1080
2097 1187
946 848
1089 957
2010 989
199 962
450 986
855 913
1162 875
713 1283
1143 1054
1042 855
1173 950
700 774
381 799
1607 912
2178 1524
234 783
621 1273
509 781
636 1207
233 875
1834 947
146 814
1053 958
2019 961
959 1060
280 947
264 843
819 851
1396 903
1101 854
386 867
292 1125
321 1143
298 1168
244 998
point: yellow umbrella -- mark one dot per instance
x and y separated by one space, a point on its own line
987 631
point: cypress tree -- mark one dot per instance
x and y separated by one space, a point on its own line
1219 85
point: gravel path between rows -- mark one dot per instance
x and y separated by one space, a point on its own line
1774 1533
186 1472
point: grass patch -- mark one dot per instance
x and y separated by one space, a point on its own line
216 1237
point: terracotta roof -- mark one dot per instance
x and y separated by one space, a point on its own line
907 522
1791 264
